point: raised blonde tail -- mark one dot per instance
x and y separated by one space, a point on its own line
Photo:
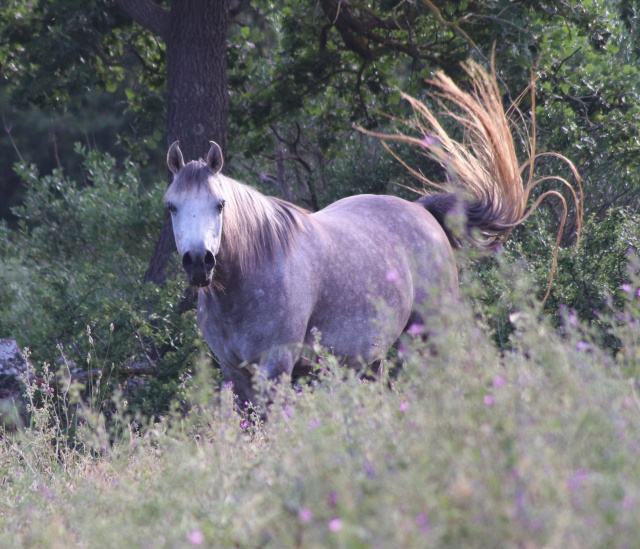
484 165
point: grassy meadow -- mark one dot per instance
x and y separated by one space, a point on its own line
534 446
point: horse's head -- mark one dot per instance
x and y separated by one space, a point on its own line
196 207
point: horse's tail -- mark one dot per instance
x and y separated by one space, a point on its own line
481 222
484 178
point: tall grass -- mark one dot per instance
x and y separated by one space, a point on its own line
537 446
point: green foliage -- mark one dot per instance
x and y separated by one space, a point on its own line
589 106
76 71
82 251
55 51
590 280
290 66
46 139
593 277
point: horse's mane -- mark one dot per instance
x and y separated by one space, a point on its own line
255 226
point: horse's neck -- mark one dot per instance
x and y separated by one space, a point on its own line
265 230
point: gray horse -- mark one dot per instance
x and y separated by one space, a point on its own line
359 272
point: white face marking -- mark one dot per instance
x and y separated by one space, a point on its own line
197 221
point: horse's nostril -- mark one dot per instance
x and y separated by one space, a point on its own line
186 260
209 260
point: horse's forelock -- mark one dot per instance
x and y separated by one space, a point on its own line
194 176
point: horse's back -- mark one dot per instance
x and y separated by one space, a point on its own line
392 213
387 223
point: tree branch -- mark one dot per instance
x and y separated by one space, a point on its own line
236 7
370 35
151 16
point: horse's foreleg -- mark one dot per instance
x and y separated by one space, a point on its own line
275 364
278 361
242 386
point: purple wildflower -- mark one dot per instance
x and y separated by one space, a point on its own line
499 381
415 329
582 346
369 469
196 537
430 141
392 275
305 515
335 525
403 407
576 480
488 400
573 319
332 500
422 521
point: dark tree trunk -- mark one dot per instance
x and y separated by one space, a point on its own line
164 248
197 91
195 33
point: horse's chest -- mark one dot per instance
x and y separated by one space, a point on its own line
236 327
218 331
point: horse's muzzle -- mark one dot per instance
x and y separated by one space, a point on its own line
199 267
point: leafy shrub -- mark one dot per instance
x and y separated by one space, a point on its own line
83 250
590 280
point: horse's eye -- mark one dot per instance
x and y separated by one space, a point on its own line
220 205
171 208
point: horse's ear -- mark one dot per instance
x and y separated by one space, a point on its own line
175 162
214 158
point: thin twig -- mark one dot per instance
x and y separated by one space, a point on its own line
55 144
633 392
8 130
